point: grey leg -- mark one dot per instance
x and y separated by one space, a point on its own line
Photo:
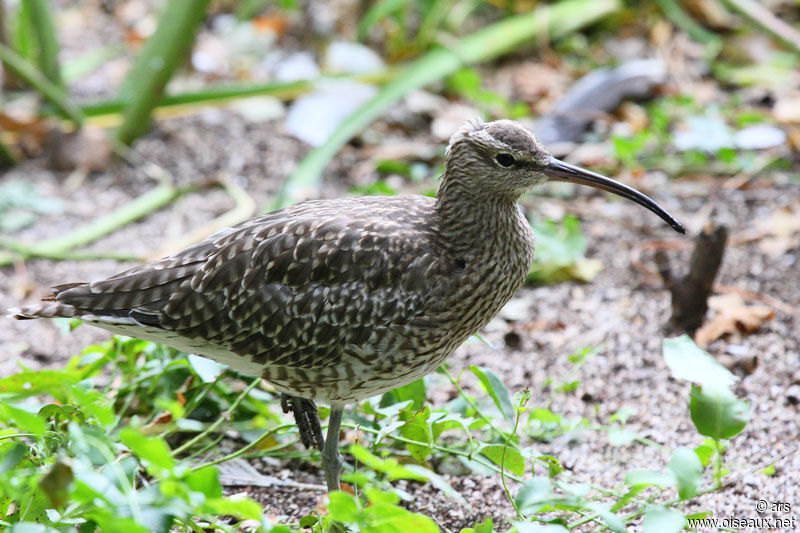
331 460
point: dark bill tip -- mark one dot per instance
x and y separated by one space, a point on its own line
557 170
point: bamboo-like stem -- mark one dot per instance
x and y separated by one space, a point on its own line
156 63
42 24
36 79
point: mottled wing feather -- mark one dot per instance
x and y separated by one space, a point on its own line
297 287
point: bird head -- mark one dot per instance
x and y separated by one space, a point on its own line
505 159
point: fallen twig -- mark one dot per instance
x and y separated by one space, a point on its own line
690 292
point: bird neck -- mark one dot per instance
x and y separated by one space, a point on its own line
474 220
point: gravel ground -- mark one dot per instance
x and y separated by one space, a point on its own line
623 310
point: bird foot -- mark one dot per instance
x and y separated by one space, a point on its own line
307 419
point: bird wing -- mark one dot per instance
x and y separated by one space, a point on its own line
295 287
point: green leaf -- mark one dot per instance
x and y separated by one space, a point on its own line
22 419
514 462
152 450
533 492
62 413
718 413
688 471
618 436
649 478
386 518
414 391
553 466
560 250
418 429
612 520
487 526
12 455
390 466
30 383
243 508
343 507
206 369
660 520
531 527
309 520
375 495
205 480
94 403
705 451
688 362
174 407
446 422
545 415
497 390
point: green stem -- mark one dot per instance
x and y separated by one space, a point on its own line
717 466
17 435
42 24
205 448
472 403
503 465
60 247
437 447
281 90
36 79
243 450
679 17
27 252
226 415
156 63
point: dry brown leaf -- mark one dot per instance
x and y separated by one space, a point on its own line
276 24
733 316
780 230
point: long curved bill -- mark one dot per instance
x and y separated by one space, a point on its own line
557 170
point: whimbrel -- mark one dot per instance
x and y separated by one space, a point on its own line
338 300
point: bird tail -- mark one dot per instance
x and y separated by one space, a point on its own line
49 308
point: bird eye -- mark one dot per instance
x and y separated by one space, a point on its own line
505 160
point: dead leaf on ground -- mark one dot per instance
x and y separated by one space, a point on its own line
780 230
733 315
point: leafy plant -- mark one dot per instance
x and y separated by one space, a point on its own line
560 253
113 441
